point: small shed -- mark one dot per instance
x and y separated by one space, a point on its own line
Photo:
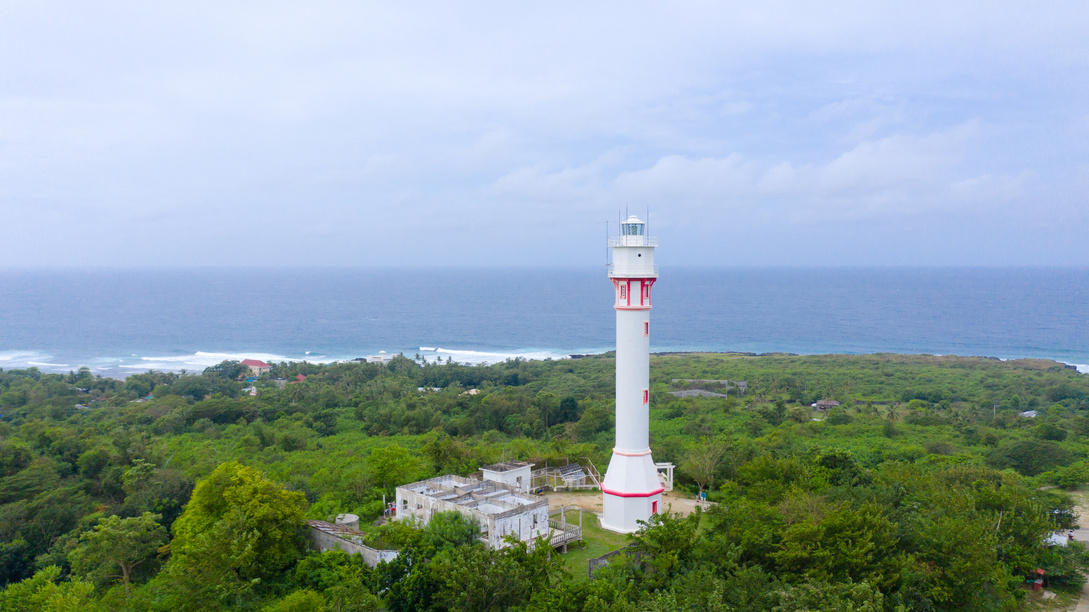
515 474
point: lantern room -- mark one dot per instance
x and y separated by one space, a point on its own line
633 251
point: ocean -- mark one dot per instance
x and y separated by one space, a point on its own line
119 322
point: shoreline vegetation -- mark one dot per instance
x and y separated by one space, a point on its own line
879 482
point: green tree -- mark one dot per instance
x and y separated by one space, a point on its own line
838 416
342 579
569 410
118 544
800 415
546 406
1050 431
137 476
92 462
1072 476
409 582
238 530
701 462
13 458
44 592
595 418
447 455
847 543
668 540
299 601
1029 457
149 489
475 578
830 597
393 465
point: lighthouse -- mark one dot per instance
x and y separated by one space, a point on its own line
631 490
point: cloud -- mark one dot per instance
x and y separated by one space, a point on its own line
874 191
989 188
341 130
893 176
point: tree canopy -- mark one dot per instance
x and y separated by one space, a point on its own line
925 489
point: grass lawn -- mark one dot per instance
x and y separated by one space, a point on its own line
595 542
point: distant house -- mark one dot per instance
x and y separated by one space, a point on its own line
256 367
826 404
381 357
1028 414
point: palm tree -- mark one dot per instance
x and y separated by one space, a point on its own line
893 415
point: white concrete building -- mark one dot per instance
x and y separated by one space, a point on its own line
500 510
515 474
631 489
381 357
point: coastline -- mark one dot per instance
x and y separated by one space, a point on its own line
194 363
121 322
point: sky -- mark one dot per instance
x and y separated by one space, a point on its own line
507 134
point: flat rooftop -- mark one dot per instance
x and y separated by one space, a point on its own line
505 466
486 497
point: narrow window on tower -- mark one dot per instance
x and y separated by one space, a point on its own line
624 291
646 396
646 328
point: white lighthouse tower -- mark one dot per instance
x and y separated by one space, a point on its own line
631 489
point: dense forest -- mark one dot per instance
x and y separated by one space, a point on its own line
926 488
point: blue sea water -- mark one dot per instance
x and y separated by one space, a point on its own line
119 322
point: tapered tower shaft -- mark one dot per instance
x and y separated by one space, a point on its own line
631 490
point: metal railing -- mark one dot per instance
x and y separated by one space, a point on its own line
562 534
633 241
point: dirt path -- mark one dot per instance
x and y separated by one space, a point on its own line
1083 602
590 501
1081 507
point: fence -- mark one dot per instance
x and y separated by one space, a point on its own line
599 562
326 536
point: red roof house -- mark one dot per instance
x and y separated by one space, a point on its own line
256 367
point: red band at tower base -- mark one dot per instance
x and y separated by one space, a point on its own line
621 494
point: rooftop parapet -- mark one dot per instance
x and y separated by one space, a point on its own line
506 466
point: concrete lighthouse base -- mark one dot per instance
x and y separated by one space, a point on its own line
631 491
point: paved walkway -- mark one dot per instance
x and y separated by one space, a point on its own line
1081 507
1083 603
